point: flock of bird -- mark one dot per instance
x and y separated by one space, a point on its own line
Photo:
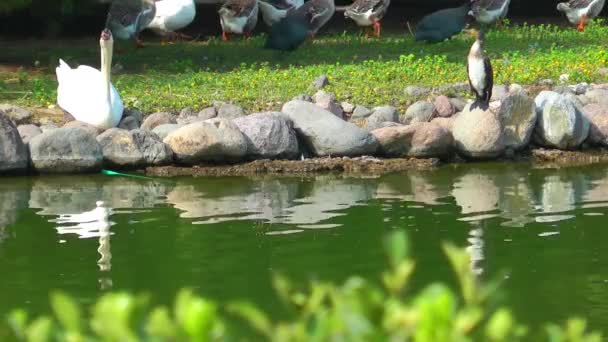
89 96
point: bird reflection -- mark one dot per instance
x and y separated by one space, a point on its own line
90 224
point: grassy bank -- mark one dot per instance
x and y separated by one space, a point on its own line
363 71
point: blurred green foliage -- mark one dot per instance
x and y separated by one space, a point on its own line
354 311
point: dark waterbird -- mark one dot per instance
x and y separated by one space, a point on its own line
291 32
479 70
443 24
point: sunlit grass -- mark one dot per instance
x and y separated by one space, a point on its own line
363 71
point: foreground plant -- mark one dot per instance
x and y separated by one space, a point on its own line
354 311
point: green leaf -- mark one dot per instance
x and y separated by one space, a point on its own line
500 325
39 330
397 247
67 311
17 320
254 316
160 324
461 265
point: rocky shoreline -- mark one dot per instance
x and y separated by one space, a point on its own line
552 125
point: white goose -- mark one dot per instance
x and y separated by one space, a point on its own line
172 15
87 93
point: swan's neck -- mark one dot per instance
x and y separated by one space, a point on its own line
106 69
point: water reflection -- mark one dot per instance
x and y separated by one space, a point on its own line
13 198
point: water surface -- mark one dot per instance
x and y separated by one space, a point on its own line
542 231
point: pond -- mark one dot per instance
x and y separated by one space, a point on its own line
542 232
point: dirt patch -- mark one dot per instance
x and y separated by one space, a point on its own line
556 158
365 165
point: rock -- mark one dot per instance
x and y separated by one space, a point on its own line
66 150
543 97
598 95
458 103
269 135
583 100
602 71
443 106
128 123
384 114
430 140
547 82
515 88
320 82
93 130
303 97
163 130
563 89
153 150
518 116
580 88
230 111
564 78
13 152
560 123
136 114
48 127
454 89
478 134
208 113
328 102
15 113
325 134
347 107
499 92
27 132
598 119
361 112
370 126
416 91
158 119
445 123
216 139
576 100
394 141
420 111
119 149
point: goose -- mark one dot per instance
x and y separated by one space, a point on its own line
368 13
579 11
172 15
291 32
238 17
272 13
321 11
479 71
443 24
86 93
489 11
126 18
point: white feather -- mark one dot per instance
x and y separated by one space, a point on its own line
172 15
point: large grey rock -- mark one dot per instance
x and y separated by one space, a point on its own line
478 134
518 116
27 132
320 82
212 140
157 119
208 113
361 112
230 111
325 134
458 103
499 92
17 114
598 95
163 130
93 130
128 123
153 150
598 119
66 150
136 114
454 89
443 106
420 140
13 152
119 149
445 123
420 111
269 135
384 114
560 124
417 91
370 126
328 102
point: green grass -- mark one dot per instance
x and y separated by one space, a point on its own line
362 71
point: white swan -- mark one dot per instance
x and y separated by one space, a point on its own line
172 15
87 94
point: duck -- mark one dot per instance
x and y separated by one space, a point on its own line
126 18
489 11
238 17
580 11
273 13
443 24
87 93
368 13
479 71
291 32
320 10
171 16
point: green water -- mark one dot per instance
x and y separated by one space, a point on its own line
542 231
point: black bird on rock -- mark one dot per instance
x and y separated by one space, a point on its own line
443 24
479 70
